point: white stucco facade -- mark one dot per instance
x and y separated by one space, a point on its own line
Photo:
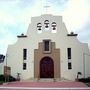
1 68
79 59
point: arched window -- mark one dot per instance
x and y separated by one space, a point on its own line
54 27
46 22
39 27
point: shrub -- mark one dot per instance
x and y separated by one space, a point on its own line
85 80
7 78
2 78
11 78
1 82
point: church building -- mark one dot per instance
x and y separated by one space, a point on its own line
47 50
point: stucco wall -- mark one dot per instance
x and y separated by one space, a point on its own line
62 41
1 68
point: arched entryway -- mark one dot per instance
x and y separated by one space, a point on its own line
46 68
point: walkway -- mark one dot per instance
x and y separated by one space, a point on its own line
42 85
46 84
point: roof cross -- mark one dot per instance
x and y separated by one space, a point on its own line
46 6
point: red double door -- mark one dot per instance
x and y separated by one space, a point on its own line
46 68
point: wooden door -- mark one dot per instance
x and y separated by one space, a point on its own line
46 68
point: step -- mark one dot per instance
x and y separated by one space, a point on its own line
46 80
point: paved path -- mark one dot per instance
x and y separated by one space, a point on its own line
46 84
33 88
43 85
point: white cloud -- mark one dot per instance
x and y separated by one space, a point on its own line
18 13
8 39
76 14
6 18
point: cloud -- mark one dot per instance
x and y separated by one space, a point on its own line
55 6
26 3
84 32
6 18
76 14
15 16
6 38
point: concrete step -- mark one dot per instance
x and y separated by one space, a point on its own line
46 80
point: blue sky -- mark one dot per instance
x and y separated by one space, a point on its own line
15 16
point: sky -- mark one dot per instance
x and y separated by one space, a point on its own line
15 16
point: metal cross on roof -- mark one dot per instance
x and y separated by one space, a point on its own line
46 6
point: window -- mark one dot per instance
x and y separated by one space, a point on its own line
46 22
24 66
69 65
39 28
54 28
24 54
69 53
39 25
54 25
46 45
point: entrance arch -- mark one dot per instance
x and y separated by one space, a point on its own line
46 68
